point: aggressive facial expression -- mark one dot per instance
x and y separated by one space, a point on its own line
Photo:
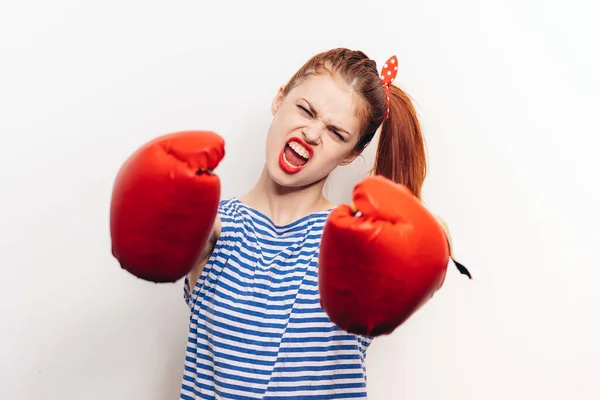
315 128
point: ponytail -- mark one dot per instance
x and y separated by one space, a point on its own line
401 149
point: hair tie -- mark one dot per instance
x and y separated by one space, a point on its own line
388 74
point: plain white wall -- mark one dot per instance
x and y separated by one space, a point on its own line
508 96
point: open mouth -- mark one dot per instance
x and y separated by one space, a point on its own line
294 156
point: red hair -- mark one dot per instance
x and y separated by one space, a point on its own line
401 148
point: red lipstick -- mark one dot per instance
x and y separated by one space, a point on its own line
297 155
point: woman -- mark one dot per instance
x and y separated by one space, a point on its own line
256 329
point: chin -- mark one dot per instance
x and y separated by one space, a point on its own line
283 179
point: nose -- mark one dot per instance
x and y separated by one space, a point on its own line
312 133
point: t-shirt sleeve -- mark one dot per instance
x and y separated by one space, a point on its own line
187 292
190 293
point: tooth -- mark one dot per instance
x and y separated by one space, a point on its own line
301 151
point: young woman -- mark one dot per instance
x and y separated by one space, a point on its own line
257 330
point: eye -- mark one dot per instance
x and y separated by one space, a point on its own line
336 133
304 110
332 130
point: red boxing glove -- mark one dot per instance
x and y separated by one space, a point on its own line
382 260
164 204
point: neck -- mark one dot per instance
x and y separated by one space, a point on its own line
285 205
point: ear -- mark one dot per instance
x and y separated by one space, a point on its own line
277 100
351 157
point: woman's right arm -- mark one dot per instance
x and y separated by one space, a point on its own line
194 274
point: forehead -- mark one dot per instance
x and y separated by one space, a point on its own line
333 99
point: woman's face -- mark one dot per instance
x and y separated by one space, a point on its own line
315 128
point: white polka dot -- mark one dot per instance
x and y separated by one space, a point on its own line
395 68
393 61
385 65
389 72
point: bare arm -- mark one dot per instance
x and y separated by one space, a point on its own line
194 274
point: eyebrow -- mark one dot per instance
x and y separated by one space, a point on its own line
316 114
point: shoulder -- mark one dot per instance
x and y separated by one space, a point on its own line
232 212
228 206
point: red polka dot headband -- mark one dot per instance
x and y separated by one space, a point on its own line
388 74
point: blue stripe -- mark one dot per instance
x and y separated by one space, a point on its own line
315 378
250 260
220 293
280 298
335 386
330 396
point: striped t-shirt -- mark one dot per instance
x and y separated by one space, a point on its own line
257 330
